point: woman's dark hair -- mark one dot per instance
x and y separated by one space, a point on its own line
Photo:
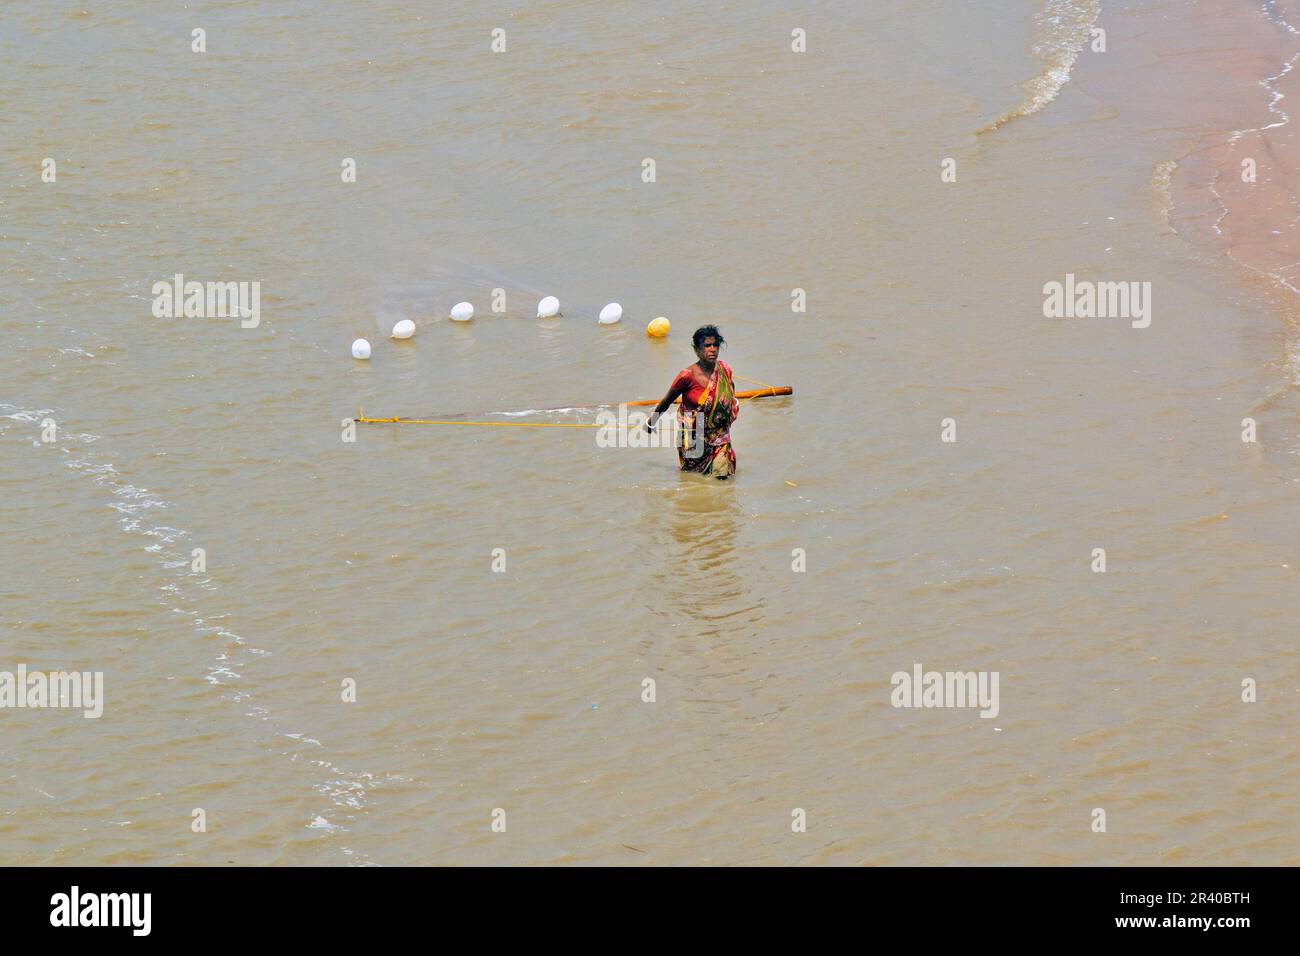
707 332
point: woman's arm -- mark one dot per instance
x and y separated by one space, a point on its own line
673 394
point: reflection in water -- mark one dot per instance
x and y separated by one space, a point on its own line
702 579
707 590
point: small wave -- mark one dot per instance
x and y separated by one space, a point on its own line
346 790
1276 96
1061 29
1285 276
1162 180
28 416
545 411
1271 12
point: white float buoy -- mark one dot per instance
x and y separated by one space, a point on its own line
404 329
462 312
548 308
361 349
611 314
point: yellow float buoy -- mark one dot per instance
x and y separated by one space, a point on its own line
658 328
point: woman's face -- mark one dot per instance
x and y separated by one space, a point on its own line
708 350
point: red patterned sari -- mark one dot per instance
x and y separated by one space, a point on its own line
704 429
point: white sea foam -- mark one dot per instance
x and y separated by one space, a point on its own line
1162 178
538 411
1281 117
1061 29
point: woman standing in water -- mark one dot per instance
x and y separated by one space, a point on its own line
709 406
